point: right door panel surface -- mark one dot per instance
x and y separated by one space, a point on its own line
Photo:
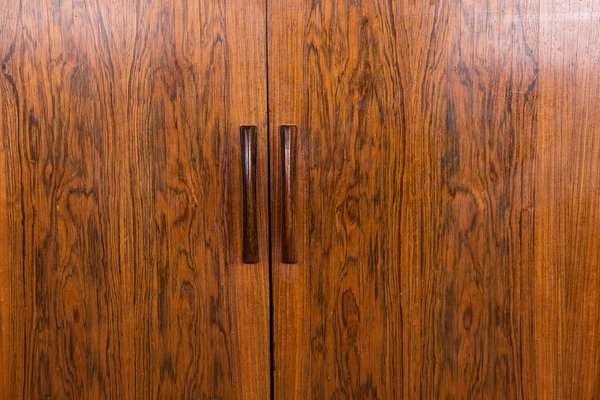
448 189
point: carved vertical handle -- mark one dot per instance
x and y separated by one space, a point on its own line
250 228
288 193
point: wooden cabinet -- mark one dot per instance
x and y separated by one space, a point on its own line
204 199
121 273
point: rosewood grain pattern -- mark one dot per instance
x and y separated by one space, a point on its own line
445 238
289 149
197 74
121 202
11 304
67 331
566 269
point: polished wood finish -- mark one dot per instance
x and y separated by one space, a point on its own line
121 271
435 199
250 227
289 149
449 157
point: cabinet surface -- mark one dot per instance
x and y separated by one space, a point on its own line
120 200
448 199
414 186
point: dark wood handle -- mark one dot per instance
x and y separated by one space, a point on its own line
288 193
250 227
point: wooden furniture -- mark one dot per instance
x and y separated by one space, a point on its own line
286 199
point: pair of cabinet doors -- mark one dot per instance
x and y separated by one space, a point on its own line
218 199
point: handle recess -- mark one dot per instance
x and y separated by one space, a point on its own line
250 227
288 193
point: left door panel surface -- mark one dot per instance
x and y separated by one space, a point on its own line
120 200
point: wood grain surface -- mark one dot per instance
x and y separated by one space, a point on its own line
447 239
120 200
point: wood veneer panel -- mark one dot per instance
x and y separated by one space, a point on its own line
449 155
567 203
120 200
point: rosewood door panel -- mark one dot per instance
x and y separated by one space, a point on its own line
447 194
121 218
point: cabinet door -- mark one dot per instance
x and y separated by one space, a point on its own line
121 202
446 200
